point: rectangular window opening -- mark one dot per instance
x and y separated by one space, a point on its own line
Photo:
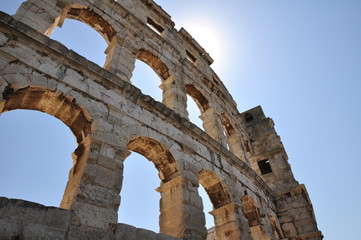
265 166
153 25
190 57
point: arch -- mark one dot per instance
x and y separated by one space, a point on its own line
139 199
65 109
51 102
163 160
251 211
225 212
228 127
35 156
154 62
157 153
215 188
88 16
198 97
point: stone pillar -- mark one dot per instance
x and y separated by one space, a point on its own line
94 185
174 96
40 15
120 60
235 144
230 224
181 210
213 126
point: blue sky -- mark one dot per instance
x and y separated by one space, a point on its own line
299 60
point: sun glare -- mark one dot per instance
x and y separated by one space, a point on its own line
211 37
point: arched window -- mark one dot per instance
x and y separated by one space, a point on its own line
167 169
155 63
146 80
207 207
224 212
228 129
196 105
194 112
198 97
35 156
82 39
149 69
90 42
251 211
140 202
63 108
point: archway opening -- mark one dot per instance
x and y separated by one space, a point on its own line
69 112
167 169
35 155
194 112
147 80
251 211
139 205
228 129
207 207
83 39
218 196
195 100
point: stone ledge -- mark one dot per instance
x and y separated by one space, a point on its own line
26 211
126 232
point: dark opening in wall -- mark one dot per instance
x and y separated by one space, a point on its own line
264 166
191 57
159 29
248 117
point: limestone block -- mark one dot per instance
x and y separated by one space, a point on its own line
81 232
93 216
125 232
102 125
38 79
73 78
35 213
98 196
107 162
10 229
286 219
143 234
289 229
101 176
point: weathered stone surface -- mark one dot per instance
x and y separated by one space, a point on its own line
25 211
239 159
81 232
10 229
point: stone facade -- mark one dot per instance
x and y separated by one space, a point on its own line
239 158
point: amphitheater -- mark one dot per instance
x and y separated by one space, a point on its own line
238 158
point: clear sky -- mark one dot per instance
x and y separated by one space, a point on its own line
299 60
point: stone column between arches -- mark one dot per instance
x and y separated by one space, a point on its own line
174 96
230 223
39 15
181 210
120 60
213 126
96 193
